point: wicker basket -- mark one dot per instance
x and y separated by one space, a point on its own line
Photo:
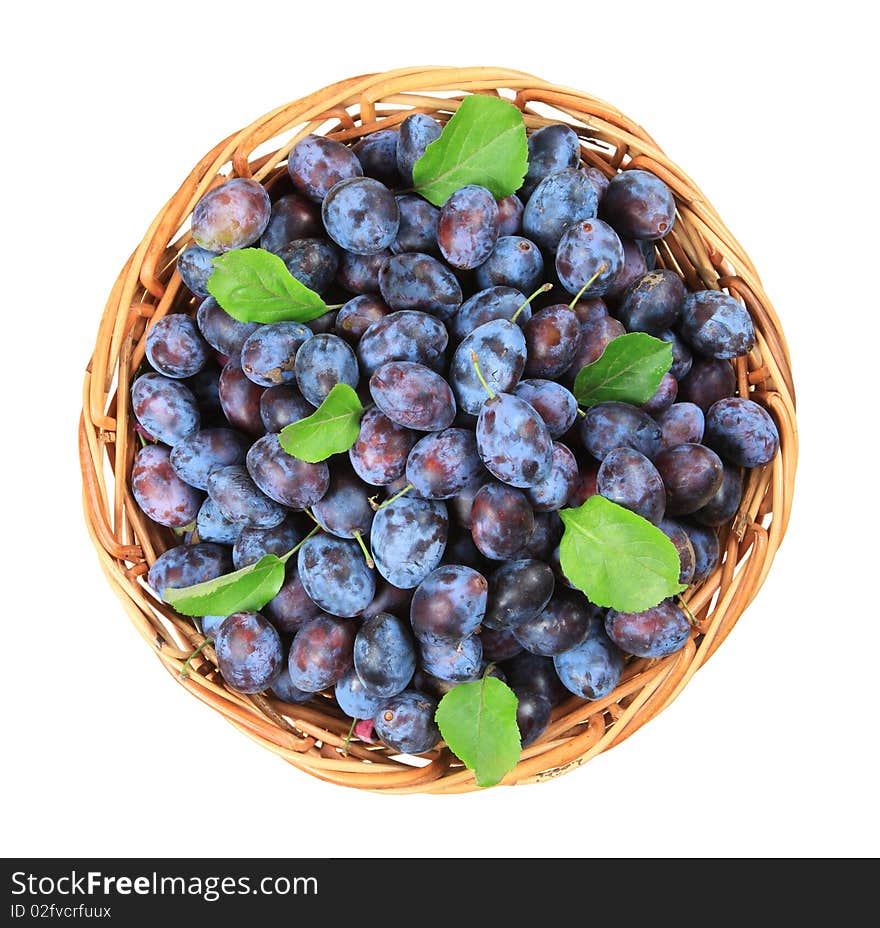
313 736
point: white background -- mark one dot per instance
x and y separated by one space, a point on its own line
770 751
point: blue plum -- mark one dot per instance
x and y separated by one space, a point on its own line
405 723
653 302
355 700
692 475
442 464
293 217
518 590
417 231
589 250
553 403
165 408
249 652
552 148
661 630
405 335
220 330
321 653
322 362
159 492
335 575
316 164
628 478
212 525
312 261
502 521
195 457
413 396
384 655
418 281
639 205
513 441
742 432
361 215
360 273
267 356
468 227
500 348
408 538
282 404
449 603
380 452
611 425
453 661
716 325
284 478
231 216
254 543
554 490
592 669
240 499
515 262
195 266
563 624
416 133
187 565
560 199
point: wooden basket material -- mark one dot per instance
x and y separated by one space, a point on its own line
313 736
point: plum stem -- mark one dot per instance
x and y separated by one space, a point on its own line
602 268
286 557
348 738
480 376
542 289
396 496
580 411
367 557
690 614
184 671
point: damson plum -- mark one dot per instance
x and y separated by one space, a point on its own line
160 493
292 217
716 325
628 478
461 550
664 396
552 337
413 396
592 669
501 521
599 180
675 532
335 575
357 315
515 262
282 404
249 652
284 478
377 154
692 475
388 598
195 266
532 715
175 347
344 510
355 700
408 538
724 504
551 149
267 355
585 485
536 674
416 281
442 464
499 644
486 306
589 250
594 339
211 624
560 199
468 227
212 525
240 399
653 302
500 348
707 550
611 425
453 661
518 590
545 536
380 452
322 362
282 688
220 330
205 387
291 607
589 309
230 216
321 653
463 502
709 380
187 565
639 205
406 723
360 273
416 133
312 261
406 335
361 215
513 441
510 210
417 231
254 543
553 491
317 163
682 359
680 424
742 432
634 268
553 403
449 603
562 624
241 500
663 629
165 408
384 655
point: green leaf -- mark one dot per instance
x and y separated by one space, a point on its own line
484 143
478 722
245 590
629 370
616 557
253 285
331 429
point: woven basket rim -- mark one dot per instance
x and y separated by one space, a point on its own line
700 248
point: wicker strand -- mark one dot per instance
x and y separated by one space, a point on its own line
312 737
